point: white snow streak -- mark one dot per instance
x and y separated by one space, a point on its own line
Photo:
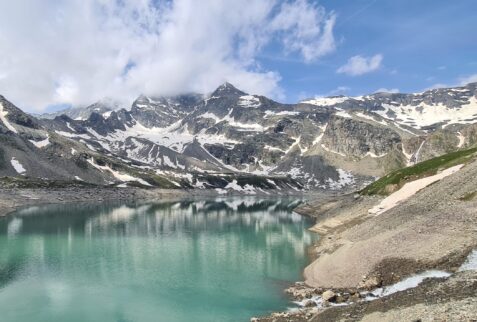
410 189
17 166
42 143
3 118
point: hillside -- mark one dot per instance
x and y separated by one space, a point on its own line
231 140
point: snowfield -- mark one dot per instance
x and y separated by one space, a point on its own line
410 189
3 118
17 166
42 143
120 176
424 115
327 101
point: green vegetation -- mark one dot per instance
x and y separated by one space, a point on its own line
398 178
470 196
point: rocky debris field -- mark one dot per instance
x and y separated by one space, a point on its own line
360 252
12 199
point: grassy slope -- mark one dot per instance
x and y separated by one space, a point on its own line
398 178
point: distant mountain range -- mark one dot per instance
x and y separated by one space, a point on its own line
231 140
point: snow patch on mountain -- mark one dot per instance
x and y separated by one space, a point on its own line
249 189
327 101
3 118
42 143
345 179
269 113
17 166
324 147
461 139
410 189
369 117
424 114
344 114
249 101
118 175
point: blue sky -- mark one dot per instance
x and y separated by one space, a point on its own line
57 53
424 44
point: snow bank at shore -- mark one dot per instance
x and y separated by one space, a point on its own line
410 189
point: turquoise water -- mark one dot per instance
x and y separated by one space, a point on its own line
217 260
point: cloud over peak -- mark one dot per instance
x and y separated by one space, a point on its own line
359 65
79 51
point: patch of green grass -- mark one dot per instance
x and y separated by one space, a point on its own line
420 170
469 196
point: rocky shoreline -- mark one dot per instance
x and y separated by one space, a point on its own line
15 198
360 252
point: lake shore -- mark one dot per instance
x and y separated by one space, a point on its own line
12 199
359 251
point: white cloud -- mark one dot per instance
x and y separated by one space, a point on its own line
301 33
359 65
437 86
461 81
340 90
387 90
468 79
79 51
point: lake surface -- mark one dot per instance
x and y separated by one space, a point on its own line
217 260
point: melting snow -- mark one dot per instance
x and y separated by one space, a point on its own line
343 114
369 117
73 135
425 115
372 155
329 150
272 148
116 174
319 137
407 283
221 191
235 186
269 113
249 101
3 118
471 262
326 101
345 179
42 143
410 189
68 125
17 166
461 139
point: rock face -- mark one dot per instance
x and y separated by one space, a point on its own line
163 111
325 143
359 139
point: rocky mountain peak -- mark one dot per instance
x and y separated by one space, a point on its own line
227 89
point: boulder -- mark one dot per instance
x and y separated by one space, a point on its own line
328 296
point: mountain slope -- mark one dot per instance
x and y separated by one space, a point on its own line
326 143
